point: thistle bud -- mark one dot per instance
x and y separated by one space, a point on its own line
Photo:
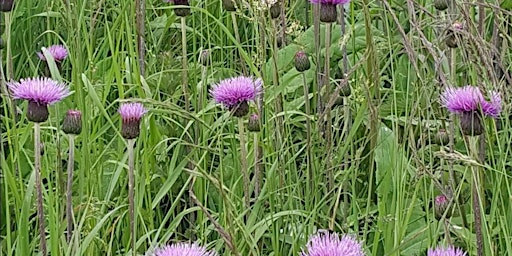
254 123
229 5
182 12
442 137
441 5
6 5
302 61
72 123
275 10
204 58
441 204
454 35
131 114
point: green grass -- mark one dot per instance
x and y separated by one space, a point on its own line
385 170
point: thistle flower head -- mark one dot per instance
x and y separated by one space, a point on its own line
131 114
446 251
470 99
72 123
325 244
58 52
254 123
234 93
332 2
441 204
41 90
183 249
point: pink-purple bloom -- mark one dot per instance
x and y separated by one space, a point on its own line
333 2
235 92
131 114
470 99
445 251
43 91
331 244
58 52
183 249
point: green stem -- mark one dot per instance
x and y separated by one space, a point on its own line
308 132
477 190
131 192
39 189
237 37
328 119
140 9
184 72
316 32
69 191
243 160
278 103
257 171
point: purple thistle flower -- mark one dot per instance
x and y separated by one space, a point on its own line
234 93
445 251
40 92
44 91
58 52
131 114
325 244
183 249
332 2
470 99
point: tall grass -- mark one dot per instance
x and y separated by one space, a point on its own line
385 163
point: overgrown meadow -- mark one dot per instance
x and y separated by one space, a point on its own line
352 131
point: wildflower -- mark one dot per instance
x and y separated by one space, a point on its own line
183 249
40 92
234 93
325 244
441 204
72 123
131 114
445 251
301 61
58 52
328 9
469 102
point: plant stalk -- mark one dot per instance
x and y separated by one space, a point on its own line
131 192
308 134
40 209
243 160
184 63
69 189
140 8
328 120
477 190
237 37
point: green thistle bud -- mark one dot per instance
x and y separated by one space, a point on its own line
275 10
302 61
72 123
441 204
229 5
254 123
441 5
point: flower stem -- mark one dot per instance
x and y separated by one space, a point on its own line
237 37
476 190
257 171
69 203
131 192
328 119
184 63
139 13
243 160
39 189
308 131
